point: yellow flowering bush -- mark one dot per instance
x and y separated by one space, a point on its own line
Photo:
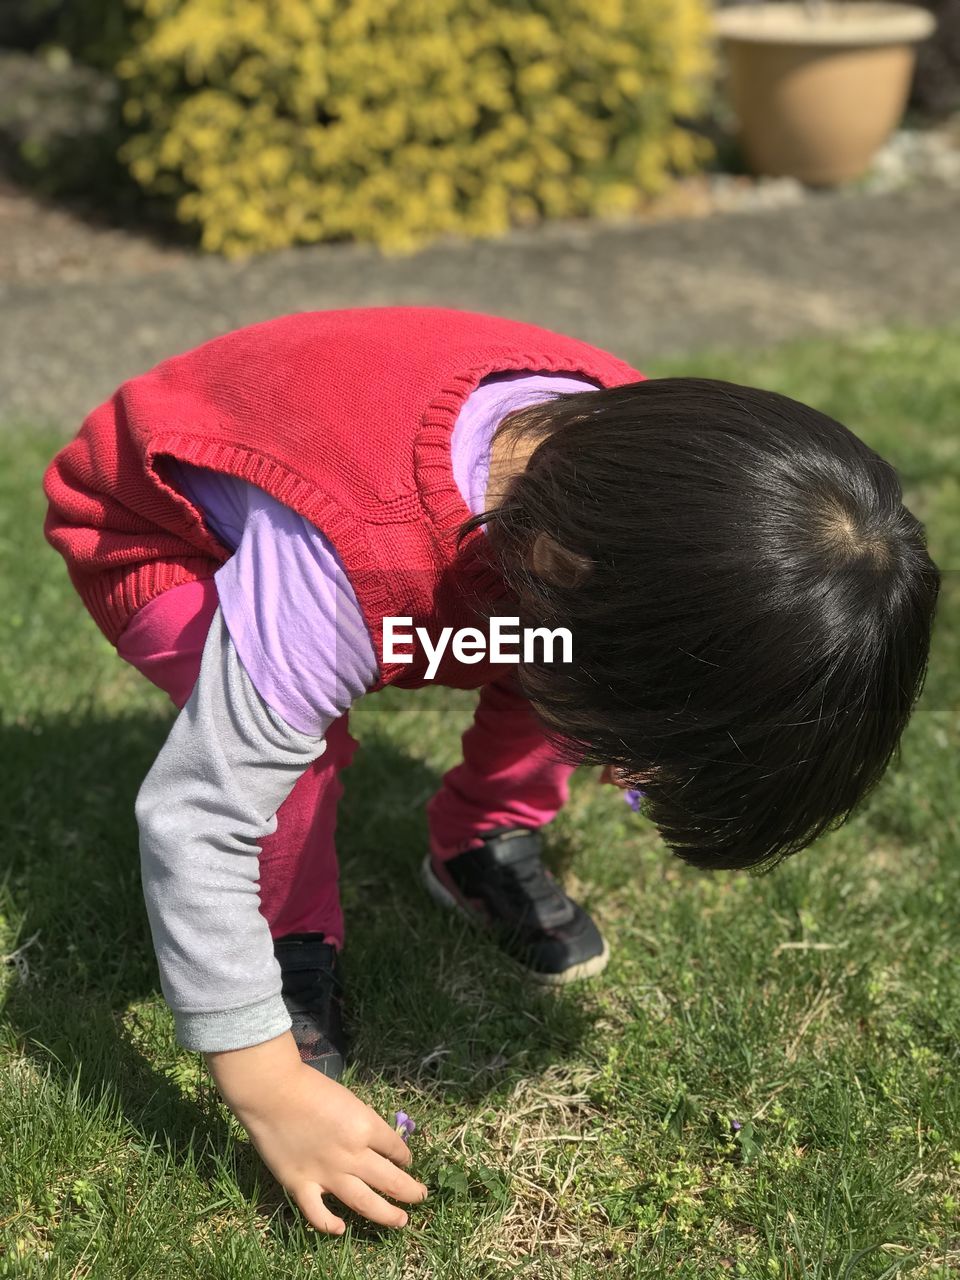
276 122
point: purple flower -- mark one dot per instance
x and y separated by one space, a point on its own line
736 1126
404 1125
633 799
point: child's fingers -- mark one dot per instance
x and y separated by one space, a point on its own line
389 1143
383 1175
310 1199
354 1192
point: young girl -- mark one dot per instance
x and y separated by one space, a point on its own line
749 605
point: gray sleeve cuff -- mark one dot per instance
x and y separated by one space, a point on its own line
233 1028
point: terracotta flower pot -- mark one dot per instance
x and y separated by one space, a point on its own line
818 88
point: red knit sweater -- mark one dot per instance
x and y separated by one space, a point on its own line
345 416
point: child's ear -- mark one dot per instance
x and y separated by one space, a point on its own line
555 564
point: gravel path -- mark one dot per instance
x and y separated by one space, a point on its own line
70 331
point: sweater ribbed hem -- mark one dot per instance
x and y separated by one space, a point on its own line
115 595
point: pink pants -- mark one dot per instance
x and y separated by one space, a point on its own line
509 775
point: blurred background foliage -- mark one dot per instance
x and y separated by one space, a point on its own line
266 123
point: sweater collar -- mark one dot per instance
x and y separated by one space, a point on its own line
439 492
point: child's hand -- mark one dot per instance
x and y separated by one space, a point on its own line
315 1136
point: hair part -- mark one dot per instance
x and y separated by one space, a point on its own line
750 603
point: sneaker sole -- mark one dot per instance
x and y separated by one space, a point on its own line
586 969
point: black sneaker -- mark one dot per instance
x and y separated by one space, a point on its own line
504 885
313 993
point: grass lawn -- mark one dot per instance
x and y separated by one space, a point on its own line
575 1134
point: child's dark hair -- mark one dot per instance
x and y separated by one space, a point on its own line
749 600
